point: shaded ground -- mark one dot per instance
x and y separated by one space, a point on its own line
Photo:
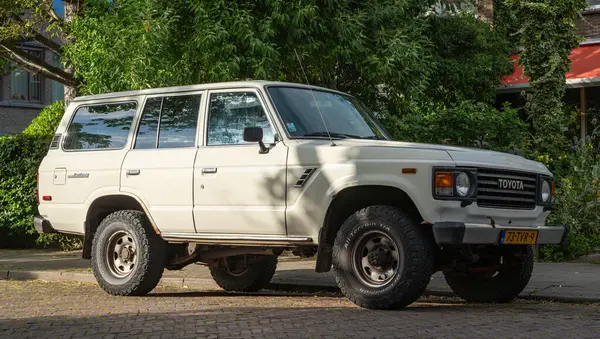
553 281
37 309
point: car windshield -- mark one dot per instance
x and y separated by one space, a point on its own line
341 116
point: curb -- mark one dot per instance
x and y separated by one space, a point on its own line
199 283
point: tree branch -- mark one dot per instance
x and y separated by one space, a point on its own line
36 65
55 47
37 36
31 70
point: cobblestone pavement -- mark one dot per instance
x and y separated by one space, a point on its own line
37 309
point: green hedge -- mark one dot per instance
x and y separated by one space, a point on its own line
467 123
20 157
577 204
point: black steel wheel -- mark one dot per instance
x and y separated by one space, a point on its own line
128 257
382 258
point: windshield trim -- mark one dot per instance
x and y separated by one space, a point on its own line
375 122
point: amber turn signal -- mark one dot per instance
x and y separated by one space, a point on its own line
444 179
444 183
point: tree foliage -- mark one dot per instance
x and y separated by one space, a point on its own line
547 34
469 58
388 53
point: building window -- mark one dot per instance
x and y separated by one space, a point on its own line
26 86
58 90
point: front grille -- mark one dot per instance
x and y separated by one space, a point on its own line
508 194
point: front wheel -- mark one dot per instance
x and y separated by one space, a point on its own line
498 286
382 259
248 273
128 258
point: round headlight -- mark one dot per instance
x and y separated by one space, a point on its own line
463 184
546 191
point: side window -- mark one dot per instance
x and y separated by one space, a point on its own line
230 113
146 135
170 120
100 127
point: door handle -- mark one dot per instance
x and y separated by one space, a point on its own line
210 170
133 172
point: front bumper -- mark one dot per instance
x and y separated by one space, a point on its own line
458 233
43 225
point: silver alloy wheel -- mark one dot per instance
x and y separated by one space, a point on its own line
121 254
377 259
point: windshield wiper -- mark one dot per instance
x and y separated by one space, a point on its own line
334 135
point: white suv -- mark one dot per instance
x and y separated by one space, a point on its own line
232 174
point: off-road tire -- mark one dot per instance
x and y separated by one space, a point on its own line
256 276
504 287
150 251
406 286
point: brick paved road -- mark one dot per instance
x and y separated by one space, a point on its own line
41 310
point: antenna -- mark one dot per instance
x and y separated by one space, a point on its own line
315 99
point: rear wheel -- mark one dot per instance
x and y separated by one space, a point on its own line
382 259
248 273
128 257
496 286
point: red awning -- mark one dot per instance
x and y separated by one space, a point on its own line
585 64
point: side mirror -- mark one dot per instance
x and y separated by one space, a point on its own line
255 134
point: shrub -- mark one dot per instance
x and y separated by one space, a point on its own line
20 157
577 205
45 124
19 160
466 123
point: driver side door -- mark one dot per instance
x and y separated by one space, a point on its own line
237 190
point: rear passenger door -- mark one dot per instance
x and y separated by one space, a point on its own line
159 167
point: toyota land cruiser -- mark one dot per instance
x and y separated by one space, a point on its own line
232 174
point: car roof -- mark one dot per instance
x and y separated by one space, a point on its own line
198 87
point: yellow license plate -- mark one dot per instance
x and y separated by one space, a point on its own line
518 237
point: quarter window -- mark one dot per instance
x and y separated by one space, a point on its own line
172 121
230 113
100 127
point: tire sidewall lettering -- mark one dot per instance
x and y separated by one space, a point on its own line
349 241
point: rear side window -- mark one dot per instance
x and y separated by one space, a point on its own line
100 127
169 122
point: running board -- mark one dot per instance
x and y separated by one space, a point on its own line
241 239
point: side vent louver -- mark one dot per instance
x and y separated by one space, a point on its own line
55 141
304 177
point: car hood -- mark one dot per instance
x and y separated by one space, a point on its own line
462 156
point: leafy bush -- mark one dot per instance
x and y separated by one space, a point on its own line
577 205
19 160
467 124
45 124
20 157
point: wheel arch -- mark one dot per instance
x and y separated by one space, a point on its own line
105 205
351 199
